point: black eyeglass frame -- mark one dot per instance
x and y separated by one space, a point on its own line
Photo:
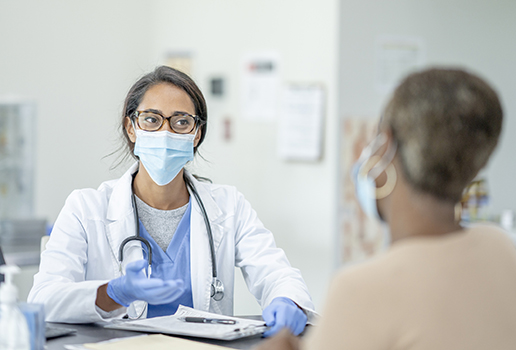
197 120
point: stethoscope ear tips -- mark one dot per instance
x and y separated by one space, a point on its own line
217 290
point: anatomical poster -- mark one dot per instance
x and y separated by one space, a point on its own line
360 237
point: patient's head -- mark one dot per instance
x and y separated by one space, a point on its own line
446 124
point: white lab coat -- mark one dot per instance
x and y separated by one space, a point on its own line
82 252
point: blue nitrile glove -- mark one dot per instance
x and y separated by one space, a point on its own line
136 286
283 312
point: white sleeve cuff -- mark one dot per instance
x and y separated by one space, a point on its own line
110 314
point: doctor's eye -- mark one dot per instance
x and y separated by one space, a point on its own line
150 121
182 123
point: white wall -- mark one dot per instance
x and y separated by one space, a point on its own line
296 201
479 35
76 59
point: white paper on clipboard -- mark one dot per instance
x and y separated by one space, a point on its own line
175 325
301 123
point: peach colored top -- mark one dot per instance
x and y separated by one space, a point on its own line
427 293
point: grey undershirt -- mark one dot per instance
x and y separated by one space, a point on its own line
160 224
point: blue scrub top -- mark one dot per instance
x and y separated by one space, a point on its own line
172 264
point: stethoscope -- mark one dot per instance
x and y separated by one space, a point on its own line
217 287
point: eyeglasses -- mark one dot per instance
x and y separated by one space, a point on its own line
180 122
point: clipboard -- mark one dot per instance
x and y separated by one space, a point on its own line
176 325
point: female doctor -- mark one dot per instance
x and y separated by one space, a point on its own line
159 220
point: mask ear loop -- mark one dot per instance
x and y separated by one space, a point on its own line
374 146
385 160
390 172
375 165
387 189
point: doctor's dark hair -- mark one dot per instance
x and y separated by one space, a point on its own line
163 74
447 123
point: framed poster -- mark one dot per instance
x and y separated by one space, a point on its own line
359 237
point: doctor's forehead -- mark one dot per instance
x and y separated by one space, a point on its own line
167 98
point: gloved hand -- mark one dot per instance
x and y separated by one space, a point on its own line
283 312
136 286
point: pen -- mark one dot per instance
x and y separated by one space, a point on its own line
208 320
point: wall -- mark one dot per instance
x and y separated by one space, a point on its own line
76 60
295 200
479 35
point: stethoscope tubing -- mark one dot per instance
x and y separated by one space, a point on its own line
208 225
136 237
217 287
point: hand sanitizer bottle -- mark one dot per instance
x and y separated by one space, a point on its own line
14 331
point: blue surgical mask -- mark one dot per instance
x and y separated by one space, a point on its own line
365 185
365 190
163 153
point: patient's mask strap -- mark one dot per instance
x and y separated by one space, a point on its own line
371 148
373 165
390 172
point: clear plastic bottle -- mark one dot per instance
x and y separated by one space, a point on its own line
14 331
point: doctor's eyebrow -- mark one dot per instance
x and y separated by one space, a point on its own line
157 111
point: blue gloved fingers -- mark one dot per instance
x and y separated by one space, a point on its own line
113 291
146 284
122 289
269 315
273 330
136 286
293 317
167 293
174 284
281 320
281 313
300 324
162 289
135 266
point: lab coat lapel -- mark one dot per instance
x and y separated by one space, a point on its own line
120 220
120 225
200 256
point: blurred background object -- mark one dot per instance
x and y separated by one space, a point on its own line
20 231
17 157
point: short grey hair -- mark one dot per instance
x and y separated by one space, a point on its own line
447 123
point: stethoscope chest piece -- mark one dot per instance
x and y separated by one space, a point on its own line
217 290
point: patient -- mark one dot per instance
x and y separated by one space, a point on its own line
440 285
